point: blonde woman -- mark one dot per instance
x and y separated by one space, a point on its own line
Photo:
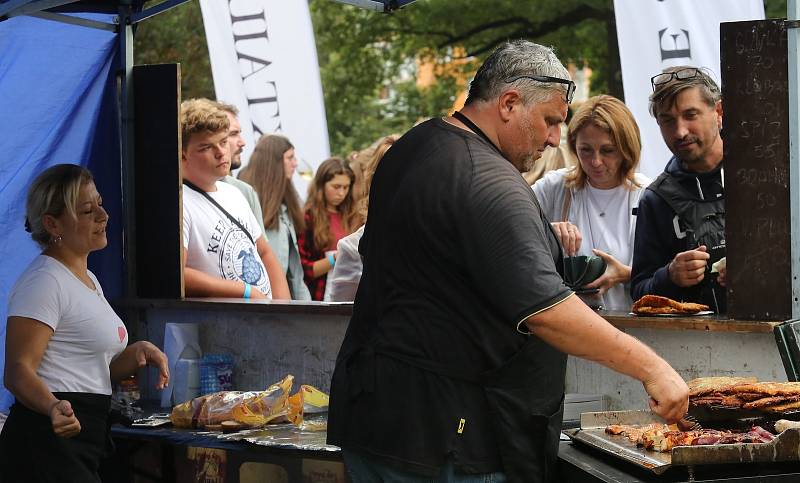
599 194
64 343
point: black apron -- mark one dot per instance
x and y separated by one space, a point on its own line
525 397
31 452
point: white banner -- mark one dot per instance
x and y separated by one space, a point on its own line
656 34
264 61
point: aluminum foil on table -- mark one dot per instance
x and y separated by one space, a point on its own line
311 435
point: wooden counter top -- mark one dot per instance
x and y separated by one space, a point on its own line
712 323
241 305
622 320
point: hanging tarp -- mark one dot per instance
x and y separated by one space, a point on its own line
58 105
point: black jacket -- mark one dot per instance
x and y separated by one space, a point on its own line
658 240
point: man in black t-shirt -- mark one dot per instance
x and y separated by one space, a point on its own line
453 363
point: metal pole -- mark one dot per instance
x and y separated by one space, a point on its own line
126 146
793 13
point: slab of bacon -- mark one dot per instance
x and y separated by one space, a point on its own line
657 305
745 393
661 437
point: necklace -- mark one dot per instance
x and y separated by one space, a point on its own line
595 204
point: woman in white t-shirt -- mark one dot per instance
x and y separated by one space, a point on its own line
64 343
599 194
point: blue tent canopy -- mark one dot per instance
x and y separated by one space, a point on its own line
60 66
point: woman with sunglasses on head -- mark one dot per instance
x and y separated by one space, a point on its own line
270 172
597 196
64 343
330 216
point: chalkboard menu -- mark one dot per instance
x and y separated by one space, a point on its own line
756 141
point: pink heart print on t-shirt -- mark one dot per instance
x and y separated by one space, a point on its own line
121 331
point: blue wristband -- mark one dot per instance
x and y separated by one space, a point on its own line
331 260
246 291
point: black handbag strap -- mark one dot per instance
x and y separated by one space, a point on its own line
214 202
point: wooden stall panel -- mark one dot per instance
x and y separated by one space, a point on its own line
756 136
159 272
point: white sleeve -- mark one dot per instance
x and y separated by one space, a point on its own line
37 297
549 190
187 218
346 274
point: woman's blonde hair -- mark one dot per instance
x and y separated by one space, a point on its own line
54 192
316 206
266 173
369 168
612 116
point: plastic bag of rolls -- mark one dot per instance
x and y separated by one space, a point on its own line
234 410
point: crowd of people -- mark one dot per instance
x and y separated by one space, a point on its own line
459 252
655 237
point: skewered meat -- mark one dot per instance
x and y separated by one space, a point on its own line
656 304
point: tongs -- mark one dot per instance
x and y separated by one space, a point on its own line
689 423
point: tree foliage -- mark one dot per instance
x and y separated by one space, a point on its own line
363 54
177 35
369 61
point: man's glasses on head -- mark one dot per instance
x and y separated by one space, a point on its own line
546 78
687 73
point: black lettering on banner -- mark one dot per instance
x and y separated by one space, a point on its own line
676 52
269 102
267 90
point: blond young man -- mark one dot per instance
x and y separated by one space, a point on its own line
225 253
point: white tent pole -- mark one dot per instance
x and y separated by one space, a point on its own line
793 14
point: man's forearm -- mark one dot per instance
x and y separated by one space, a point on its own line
200 284
575 329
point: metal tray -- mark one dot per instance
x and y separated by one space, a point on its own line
785 447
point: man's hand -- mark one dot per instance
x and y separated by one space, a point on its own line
148 354
569 236
669 394
63 419
723 272
688 268
616 272
257 294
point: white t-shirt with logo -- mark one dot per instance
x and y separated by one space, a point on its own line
215 245
87 333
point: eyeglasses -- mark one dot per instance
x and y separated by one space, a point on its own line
546 78
687 73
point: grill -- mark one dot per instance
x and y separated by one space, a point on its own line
785 447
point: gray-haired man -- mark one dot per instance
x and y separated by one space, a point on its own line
453 364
